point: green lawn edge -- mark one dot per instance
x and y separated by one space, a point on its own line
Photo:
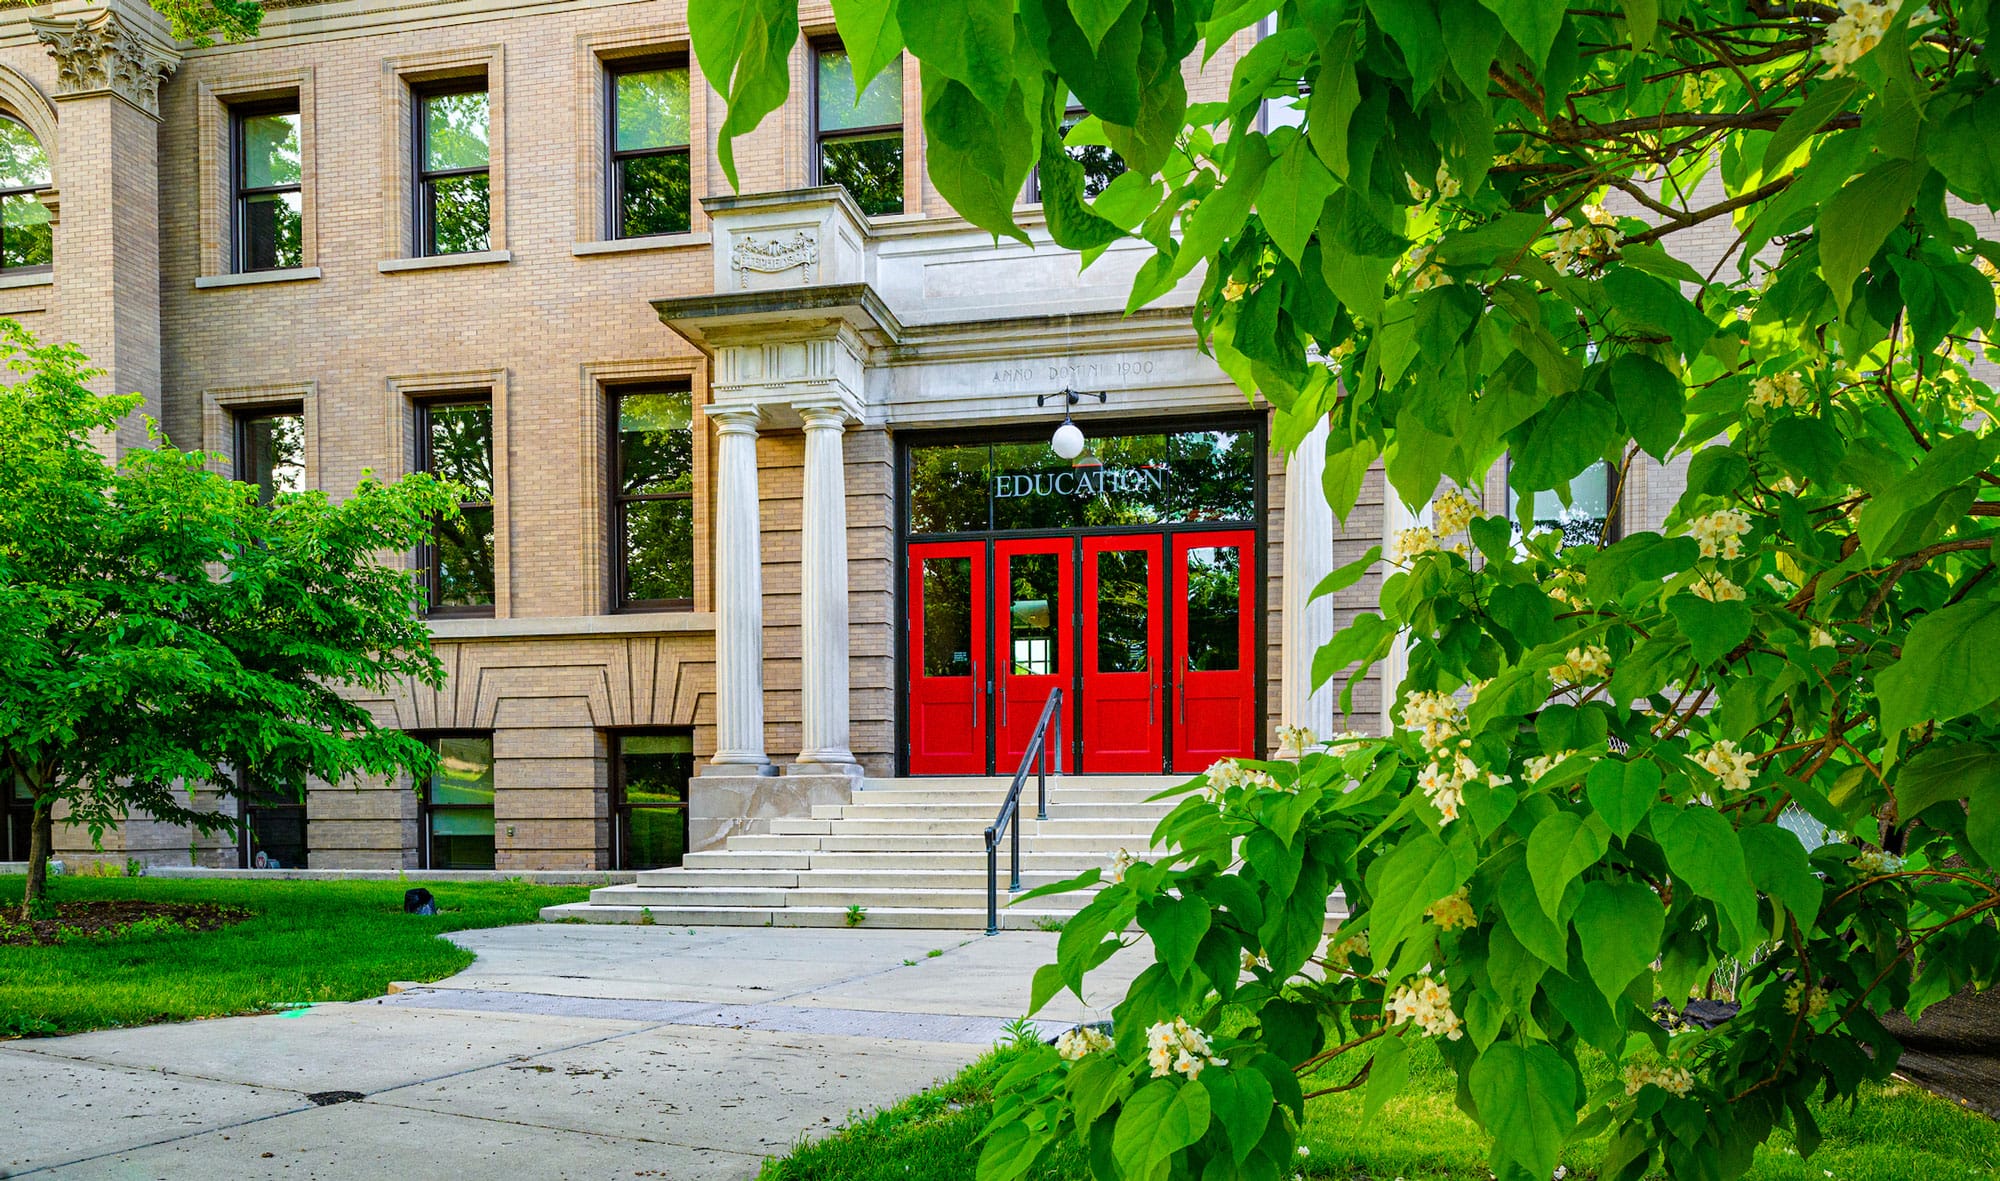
310 942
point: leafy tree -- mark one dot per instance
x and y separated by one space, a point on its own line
1454 230
161 627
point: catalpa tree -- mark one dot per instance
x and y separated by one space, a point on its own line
1459 243
162 630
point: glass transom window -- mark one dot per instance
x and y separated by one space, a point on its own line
26 237
455 197
269 191
652 191
860 135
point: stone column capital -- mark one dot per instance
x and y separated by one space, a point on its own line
734 418
100 54
827 415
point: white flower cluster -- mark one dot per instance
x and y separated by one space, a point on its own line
1426 1001
1436 717
1082 1040
1859 29
1874 862
1423 269
1252 960
1730 766
1119 864
1540 765
1414 542
1179 1048
1338 953
1588 663
1589 242
1298 738
1344 740
1224 774
1716 589
1781 392
1565 586
1822 638
1814 1000
1720 533
1447 184
1454 911
1675 1080
1452 512
1444 784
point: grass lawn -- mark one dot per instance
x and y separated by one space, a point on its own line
1897 1133
308 941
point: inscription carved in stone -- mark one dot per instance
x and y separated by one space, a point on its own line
773 255
97 53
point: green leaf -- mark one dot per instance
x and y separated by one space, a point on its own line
968 41
1503 237
1471 39
1809 446
1240 1100
1642 20
1364 641
1779 865
1703 850
1335 96
1649 400
1222 214
1102 73
1562 846
1713 629
1944 772
1533 25
745 51
1048 982
1176 925
1095 17
1717 471
870 34
1853 226
1623 792
1387 1078
1347 575
1161 1119
1967 152
1290 203
1646 302
1521 913
1906 497
1526 1097
1619 925
1654 260
1828 99
1947 668
979 181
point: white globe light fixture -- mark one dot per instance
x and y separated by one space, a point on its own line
1068 441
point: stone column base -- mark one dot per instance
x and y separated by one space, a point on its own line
803 769
723 806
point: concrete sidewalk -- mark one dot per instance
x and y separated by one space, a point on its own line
564 1051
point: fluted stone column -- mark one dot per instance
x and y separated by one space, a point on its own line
739 597
1308 560
823 597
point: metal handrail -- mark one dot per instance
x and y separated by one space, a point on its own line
1009 820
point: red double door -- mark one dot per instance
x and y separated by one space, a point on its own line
1150 637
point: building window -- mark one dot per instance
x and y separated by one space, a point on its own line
650 774
453 190
859 138
18 808
271 451
26 239
1590 517
653 491
455 443
271 829
1101 165
270 215
651 192
457 811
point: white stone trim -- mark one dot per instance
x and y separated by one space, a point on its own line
255 278
439 262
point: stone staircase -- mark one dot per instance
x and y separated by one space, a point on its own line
909 852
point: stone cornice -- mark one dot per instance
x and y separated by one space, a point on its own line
98 54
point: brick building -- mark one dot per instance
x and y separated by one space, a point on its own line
762 498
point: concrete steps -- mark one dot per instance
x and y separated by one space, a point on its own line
907 852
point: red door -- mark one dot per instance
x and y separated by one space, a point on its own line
1034 634
1214 666
1123 695
948 667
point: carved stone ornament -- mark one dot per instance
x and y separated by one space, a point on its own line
98 54
773 255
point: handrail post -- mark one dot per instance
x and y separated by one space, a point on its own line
992 883
1014 882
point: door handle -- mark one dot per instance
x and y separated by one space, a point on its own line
1181 681
975 696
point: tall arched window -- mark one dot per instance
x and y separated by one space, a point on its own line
26 242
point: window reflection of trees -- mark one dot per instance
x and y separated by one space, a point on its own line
459 448
1214 592
947 617
654 494
1034 612
1124 611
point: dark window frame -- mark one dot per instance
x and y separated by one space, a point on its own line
615 188
425 808
246 809
240 419
28 190
621 809
621 600
426 177
820 135
1614 501
428 553
239 176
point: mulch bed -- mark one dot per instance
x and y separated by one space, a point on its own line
1954 1050
88 919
